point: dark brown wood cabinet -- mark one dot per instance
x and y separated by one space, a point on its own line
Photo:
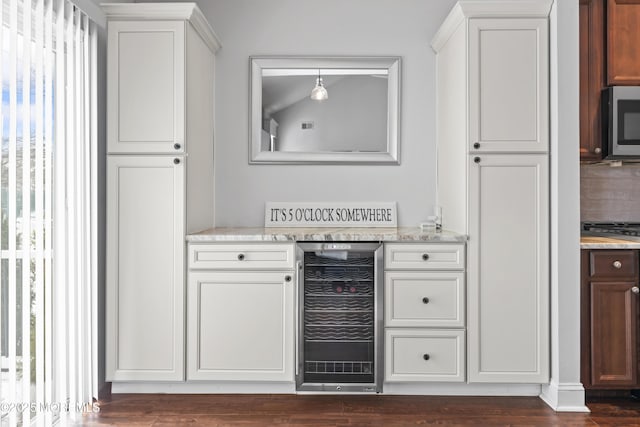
609 55
610 319
592 77
623 42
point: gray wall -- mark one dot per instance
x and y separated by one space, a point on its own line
354 118
355 27
564 391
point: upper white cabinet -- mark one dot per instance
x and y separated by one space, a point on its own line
160 70
146 91
151 54
508 85
493 180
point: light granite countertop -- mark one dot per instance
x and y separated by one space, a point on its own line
597 242
261 234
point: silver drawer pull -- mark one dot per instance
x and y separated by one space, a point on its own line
635 290
617 264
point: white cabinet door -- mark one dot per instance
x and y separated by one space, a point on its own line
146 93
412 256
424 299
145 268
508 85
424 355
508 269
240 326
243 256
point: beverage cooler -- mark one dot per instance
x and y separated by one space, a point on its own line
339 324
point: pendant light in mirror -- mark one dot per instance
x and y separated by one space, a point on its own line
319 92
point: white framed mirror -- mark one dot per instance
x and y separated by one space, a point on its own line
324 110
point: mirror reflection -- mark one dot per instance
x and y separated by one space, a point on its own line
324 110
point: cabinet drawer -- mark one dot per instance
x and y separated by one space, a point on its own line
424 355
241 256
410 256
424 299
613 263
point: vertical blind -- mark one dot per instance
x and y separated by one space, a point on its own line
48 202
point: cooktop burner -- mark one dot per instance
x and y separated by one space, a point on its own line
622 229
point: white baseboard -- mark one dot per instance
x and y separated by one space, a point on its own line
461 389
236 387
434 389
565 397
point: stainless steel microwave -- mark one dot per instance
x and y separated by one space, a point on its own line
621 122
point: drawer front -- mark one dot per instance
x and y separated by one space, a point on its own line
411 256
241 256
613 263
424 355
424 299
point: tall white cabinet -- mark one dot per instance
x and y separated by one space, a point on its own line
493 179
160 70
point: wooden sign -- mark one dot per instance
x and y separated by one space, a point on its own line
331 214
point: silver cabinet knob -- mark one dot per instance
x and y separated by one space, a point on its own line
617 264
635 290
597 150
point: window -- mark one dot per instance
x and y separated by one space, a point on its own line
47 211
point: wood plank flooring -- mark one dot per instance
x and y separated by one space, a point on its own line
351 411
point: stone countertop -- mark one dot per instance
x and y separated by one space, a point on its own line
261 234
598 242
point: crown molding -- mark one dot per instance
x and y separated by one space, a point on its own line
466 9
164 11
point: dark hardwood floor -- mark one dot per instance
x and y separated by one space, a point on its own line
352 410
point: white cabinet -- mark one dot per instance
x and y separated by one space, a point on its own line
244 256
508 280
145 268
493 180
146 61
240 312
160 64
424 318
240 326
508 85
419 256
424 299
424 355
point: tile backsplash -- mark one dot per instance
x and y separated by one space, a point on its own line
610 193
